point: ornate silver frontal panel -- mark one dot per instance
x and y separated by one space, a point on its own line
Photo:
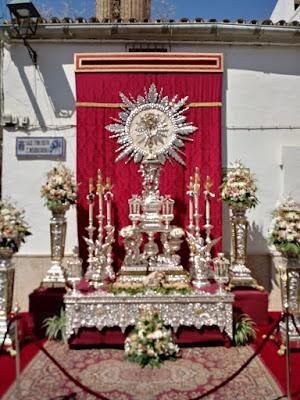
101 309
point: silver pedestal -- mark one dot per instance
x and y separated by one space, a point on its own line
7 273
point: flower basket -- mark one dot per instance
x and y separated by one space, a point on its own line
60 189
238 189
285 228
59 192
13 231
150 342
13 227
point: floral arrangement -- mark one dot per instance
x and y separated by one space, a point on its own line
177 233
60 189
162 287
13 227
285 228
239 188
150 342
127 231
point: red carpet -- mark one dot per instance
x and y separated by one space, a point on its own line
8 365
277 364
105 371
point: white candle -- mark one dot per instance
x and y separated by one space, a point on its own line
100 192
91 200
207 210
108 197
191 210
91 208
196 199
108 209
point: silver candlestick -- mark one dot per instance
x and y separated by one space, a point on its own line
190 194
196 192
90 229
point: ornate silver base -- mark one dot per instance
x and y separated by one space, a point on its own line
200 283
3 329
240 275
132 273
7 272
55 276
293 334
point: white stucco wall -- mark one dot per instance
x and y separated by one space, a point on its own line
261 88
285 10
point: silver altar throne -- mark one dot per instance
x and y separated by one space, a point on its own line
150 130
151 215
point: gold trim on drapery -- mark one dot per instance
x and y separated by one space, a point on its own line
119 105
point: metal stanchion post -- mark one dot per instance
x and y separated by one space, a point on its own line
17 344
287 337
288 355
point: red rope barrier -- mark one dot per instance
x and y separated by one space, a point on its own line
66 373
225 382
236 373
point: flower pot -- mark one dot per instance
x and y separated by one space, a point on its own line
240 274
58 227
289 272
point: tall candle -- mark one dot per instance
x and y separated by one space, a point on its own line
91 207
91 200
191 210
100 192
208 184
207 210
91 185
196 189
108 200
190 194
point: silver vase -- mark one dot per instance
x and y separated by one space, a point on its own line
55 276
240 274
7 273
289 273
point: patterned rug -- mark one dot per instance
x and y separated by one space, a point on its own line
106 371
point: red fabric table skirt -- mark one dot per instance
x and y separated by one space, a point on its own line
252 302
44 303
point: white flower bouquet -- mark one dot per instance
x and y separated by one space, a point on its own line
60 190
13 227
285 228
150 342
239 188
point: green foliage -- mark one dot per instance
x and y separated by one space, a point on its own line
291 249
244 330
141 290
56 326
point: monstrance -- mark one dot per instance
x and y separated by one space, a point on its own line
150 130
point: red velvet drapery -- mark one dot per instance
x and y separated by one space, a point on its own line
96 91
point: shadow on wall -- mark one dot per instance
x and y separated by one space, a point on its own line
259 264
51 74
